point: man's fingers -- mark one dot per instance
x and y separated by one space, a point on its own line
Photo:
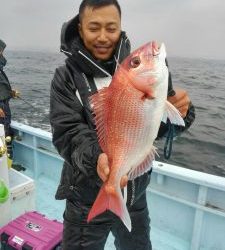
183 111
104 164
180 101
123 181
103 173
182 105
2 114
102 176
183 101
103 170
103 167
106 170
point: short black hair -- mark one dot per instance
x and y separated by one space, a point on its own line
97 4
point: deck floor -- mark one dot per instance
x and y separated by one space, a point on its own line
45 189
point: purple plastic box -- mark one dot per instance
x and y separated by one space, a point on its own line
31 231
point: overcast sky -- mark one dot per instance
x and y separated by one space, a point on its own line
193 28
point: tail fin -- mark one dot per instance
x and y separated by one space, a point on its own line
113 202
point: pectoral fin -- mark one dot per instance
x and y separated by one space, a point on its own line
173 115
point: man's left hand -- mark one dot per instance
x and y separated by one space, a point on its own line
181 101
103 170
15 93
2 113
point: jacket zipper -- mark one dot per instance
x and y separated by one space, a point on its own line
132 192
87 83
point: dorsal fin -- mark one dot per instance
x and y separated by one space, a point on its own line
99 105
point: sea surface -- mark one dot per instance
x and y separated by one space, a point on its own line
201 148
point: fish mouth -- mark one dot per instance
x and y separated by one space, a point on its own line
161 50
154 53
159 55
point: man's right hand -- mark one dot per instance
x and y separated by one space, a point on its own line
2 113
103 170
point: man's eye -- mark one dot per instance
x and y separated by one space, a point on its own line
135 62
112 30
93 29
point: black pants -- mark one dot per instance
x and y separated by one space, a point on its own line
78 235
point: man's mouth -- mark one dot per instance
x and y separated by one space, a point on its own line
102 49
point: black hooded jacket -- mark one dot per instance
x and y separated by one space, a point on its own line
5 88
71 119
5 96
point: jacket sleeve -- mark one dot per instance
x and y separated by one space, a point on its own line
5 88
72 137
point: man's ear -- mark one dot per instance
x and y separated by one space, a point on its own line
80 30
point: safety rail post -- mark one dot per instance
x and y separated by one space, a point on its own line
35 155
198 220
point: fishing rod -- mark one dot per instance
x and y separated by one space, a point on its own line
26 102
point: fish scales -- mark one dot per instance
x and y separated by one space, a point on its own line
125 127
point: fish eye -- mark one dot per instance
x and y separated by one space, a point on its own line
135 62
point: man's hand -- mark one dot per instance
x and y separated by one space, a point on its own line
104 171
2 113
15 93
180 100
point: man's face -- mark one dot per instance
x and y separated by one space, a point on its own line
100 30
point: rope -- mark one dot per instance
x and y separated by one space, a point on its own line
169 141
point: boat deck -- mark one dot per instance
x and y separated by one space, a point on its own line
187 208
45 188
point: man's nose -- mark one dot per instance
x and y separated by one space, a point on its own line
102 36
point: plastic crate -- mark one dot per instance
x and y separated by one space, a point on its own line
22 193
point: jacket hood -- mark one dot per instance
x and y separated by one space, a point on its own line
72 46
68 33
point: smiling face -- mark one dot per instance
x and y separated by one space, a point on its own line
100 30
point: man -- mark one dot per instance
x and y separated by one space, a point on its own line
6 93
94 42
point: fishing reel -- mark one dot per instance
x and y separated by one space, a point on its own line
3 147
15 93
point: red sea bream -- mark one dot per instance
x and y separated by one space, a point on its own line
128 114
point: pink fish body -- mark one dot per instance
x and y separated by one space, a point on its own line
128 114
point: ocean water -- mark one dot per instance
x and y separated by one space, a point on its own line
201 148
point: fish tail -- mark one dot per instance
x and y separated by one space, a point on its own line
112 201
